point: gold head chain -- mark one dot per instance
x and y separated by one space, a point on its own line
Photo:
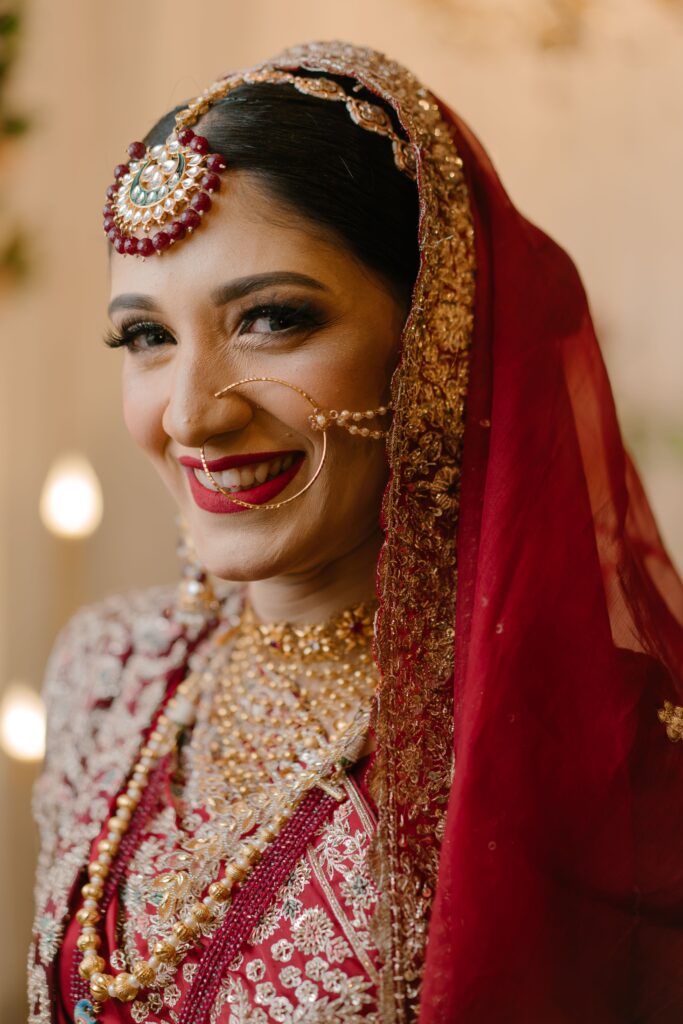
160 195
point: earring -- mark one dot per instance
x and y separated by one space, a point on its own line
196 602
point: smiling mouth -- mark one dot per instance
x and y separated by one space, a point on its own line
241 478
257 478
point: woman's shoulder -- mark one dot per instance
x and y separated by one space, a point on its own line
113 625
137 631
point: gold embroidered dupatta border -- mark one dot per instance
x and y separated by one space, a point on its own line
413 719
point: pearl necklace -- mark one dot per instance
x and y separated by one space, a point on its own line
344 742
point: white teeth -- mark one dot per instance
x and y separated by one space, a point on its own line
245 476
229 478
204 480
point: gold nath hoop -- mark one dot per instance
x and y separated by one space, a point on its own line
270 505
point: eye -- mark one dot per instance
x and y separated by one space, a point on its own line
278 318
139 336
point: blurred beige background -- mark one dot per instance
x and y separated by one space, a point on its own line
580 104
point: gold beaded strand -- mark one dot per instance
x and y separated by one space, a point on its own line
308 729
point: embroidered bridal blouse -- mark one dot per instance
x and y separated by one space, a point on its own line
309 959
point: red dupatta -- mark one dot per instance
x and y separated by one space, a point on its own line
530 837
560 892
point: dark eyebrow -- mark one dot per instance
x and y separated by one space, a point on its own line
225 293
133 302
242 286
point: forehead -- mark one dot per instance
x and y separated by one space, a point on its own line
245 232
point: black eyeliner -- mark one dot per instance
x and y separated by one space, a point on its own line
129 330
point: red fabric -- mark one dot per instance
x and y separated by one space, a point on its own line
560 896
258 965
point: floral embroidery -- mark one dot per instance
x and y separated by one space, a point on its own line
189 971
338 950
255 970
312 930
282 950
171 994
265 992
306 992
315 968
281 1009
290 977
118 960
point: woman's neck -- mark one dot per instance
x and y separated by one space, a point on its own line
321 593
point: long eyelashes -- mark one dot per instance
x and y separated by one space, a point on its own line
131 331
143 335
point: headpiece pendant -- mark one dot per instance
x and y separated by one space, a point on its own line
161 194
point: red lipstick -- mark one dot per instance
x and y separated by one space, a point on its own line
260 494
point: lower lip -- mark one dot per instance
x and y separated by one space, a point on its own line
262 494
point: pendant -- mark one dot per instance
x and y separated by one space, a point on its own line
84 1012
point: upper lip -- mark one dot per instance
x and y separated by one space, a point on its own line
234 461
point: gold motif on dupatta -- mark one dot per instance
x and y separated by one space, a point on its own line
417 573
672 717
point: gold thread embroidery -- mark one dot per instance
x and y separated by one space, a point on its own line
672 716
314 860
412 772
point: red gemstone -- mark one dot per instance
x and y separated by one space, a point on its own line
185 137
216 162
145 247
199 144
137 150
210 183
109 223
113 234
107 209
176 230
161 241
120 244
120 170
201 202
190 219
112 191
130 246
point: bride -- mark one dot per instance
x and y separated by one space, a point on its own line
415 760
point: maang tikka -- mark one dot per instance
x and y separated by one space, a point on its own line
161 193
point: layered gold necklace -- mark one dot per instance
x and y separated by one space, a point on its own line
274 711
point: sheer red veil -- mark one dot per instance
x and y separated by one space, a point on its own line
560 885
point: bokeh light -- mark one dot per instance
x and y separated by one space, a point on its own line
22 723
71 498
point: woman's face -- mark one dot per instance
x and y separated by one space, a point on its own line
258 293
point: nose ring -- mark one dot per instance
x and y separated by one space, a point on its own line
277 504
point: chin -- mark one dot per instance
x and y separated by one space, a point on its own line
244 556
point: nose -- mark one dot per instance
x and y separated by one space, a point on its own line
193 413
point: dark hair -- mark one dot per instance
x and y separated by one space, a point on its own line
310 155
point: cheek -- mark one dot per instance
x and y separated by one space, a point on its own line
142 413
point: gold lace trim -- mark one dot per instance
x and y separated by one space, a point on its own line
413 768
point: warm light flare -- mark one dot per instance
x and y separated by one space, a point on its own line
22 723
71 499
